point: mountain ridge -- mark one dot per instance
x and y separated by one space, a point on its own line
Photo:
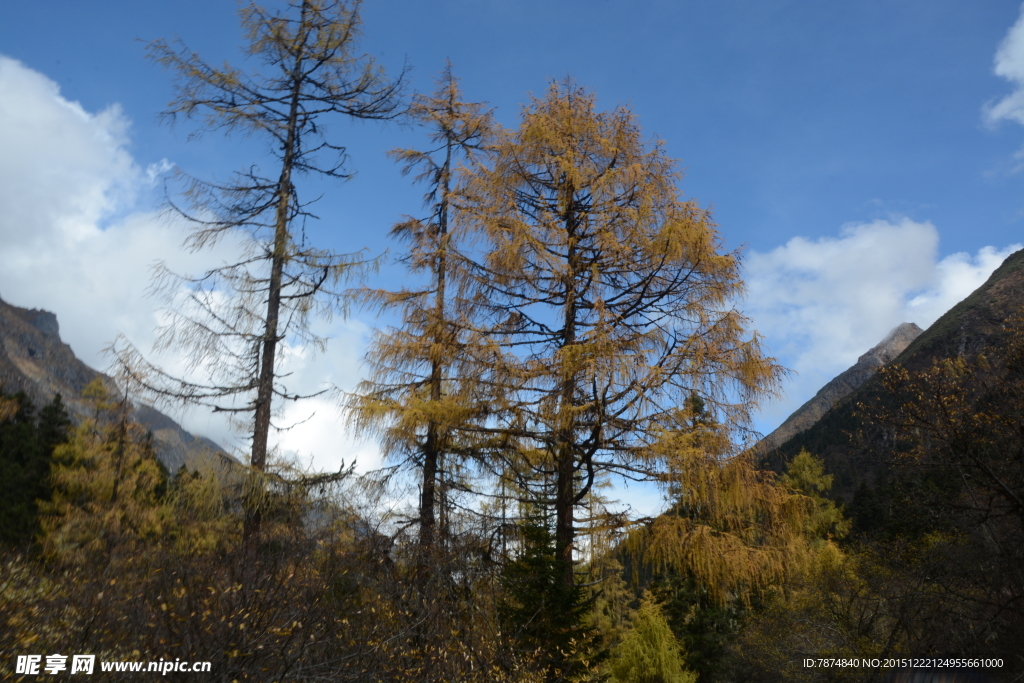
842 385
34 359
851 448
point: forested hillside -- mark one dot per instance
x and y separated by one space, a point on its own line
36 362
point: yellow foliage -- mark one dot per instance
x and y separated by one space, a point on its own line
737 529
649 652
8 408
605 299
105 483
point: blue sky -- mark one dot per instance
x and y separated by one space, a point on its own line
790 117
865 155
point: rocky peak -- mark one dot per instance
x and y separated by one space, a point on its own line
892 345
44 321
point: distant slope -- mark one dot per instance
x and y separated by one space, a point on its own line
842 385
851 448
33 359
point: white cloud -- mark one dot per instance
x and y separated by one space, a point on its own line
319 437
75 242
62 168
821 304
1009 63
321 444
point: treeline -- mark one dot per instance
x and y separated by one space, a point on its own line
128 560
131 563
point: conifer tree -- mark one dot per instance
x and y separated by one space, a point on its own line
805 474
53 424
106 484
649 653
236 316
19 461
606 299
733 536
26 448
539 612
421 390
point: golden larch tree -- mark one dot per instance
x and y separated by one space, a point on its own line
607 301
421 390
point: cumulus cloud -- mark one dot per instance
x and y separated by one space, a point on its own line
1009 63
76 242
822 303
64 172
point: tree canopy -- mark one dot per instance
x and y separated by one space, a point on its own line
231 320
607 301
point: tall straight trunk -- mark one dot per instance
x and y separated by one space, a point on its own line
431 458
432 450
565 490
564 531
265 385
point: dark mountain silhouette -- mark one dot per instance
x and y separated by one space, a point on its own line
33 359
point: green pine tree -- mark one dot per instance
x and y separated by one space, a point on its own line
650 652
543 615
26 450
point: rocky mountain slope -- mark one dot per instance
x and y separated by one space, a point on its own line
34 359
848 443
841 386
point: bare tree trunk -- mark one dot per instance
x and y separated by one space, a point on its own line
428 497
275 288
265 386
